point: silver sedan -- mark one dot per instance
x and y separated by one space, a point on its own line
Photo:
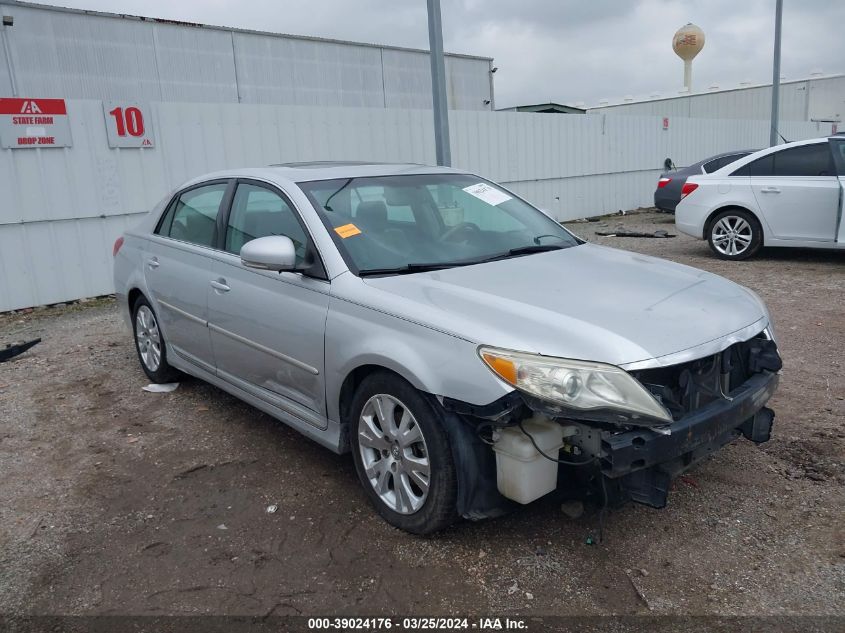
470 352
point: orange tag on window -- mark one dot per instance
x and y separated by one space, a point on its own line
347 230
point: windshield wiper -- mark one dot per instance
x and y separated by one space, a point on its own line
421 268
413 268
535 248
523 250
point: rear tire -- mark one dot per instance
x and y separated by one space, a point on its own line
735 234
150 344
402 456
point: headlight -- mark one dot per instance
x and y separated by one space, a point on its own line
575 384
769 331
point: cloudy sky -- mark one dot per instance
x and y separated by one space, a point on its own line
555 50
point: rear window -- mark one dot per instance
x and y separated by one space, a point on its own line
718 163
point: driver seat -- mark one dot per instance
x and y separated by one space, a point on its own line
373 215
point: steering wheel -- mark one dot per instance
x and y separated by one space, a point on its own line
459 228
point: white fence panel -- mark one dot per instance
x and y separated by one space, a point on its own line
62 209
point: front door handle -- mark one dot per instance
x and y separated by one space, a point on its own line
220 285
153 263
769 190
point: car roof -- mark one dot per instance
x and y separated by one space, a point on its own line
325 170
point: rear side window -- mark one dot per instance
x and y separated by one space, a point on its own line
259 212
806 160
760 167
192 216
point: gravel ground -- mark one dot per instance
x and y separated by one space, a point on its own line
118 501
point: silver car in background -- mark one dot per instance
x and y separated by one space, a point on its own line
470 352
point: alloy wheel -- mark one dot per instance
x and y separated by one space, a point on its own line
148 338
394 453
732 235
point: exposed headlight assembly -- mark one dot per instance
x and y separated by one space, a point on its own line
592 389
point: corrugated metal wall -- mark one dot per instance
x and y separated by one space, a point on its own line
81 55
61 209
814 99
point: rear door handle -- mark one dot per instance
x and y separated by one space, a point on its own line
769 190
153 263
220 285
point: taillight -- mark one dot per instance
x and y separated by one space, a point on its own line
117 244
687 189
663 182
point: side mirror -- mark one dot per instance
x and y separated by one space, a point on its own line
274 252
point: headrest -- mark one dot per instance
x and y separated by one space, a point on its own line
372 212
398 196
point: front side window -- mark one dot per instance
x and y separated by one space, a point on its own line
259 212
192 217
407 223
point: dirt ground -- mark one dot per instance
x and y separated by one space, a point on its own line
118 501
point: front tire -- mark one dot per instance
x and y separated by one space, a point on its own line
735 234
402 456
149 343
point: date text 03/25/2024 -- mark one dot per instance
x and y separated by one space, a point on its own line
418 624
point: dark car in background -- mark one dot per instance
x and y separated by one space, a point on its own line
668 192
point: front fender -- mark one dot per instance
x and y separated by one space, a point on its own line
432 361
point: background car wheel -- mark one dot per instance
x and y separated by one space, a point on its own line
402 455
149 343
735 234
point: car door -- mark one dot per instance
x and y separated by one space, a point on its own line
177 267
837 147
798 192
268 328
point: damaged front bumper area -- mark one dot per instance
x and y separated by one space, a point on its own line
642 462
520 448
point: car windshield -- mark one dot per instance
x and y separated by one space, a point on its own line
399 224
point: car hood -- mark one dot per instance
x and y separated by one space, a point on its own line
587 302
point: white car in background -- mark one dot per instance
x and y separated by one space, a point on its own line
787 195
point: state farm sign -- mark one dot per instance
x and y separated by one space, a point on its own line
30 123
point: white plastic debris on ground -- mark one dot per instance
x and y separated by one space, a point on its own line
166 387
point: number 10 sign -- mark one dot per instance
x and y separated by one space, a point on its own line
128 124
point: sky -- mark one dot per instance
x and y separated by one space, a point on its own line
565 51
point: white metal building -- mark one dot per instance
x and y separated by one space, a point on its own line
51 51
819 98
212 98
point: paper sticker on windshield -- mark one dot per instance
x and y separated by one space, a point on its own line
487 193
347 230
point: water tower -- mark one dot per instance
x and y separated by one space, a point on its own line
687 43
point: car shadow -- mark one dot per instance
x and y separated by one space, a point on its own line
811 255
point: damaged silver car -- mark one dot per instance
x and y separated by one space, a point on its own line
470 352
